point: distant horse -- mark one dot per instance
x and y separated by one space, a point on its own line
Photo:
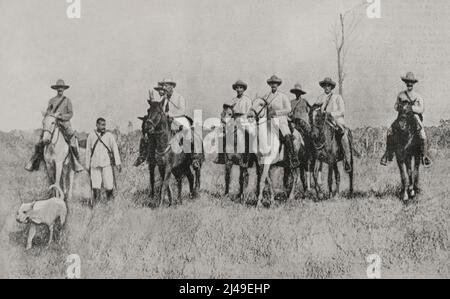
57 156
164 151
269 150
407 148
324 135
243 160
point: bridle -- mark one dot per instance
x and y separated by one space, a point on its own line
52 133
155 125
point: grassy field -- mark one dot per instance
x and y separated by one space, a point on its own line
213 237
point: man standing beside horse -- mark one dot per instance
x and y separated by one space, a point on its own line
61 108
102 155
416 103
334 105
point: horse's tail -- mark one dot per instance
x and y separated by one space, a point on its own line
59 192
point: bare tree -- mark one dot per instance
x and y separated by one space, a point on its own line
344 35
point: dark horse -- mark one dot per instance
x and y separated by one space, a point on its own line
165 150
327 144
407 148
243 160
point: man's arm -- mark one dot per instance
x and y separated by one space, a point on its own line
418 107
68 114
286 107
340 112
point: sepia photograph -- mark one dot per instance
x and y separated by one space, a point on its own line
222 140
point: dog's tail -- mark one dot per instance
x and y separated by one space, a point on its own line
59 192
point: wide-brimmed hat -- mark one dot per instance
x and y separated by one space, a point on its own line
240 83
327 81
60 84
410 78
169 81
298 89
274 79
159 87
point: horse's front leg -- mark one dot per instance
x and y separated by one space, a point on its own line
180 188
59 170
151 169
410 174
295 184
337 177
51 172
330 179
403 178
191 179
316 179
262 183
165 174
228 169
70 187
243 182
416 174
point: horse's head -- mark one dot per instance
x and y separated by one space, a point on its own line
227 114
317 120
154 119
49 125
259 109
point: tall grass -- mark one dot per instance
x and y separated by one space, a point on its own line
214 237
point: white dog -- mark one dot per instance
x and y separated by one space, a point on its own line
43 212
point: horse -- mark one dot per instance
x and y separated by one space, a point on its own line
269 150
407 149
327 147
57 160
235 157
163 151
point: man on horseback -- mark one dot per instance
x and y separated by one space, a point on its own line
279 107
241 105
417 106
61 107
143 144
300 112
334 105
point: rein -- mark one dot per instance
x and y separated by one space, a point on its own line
52 133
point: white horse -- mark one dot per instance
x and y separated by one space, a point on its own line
269 150
57 156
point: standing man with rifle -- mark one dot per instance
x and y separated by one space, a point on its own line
102 156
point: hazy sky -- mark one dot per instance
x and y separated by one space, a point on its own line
119 49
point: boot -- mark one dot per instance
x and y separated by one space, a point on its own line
109 195
76 159
290 150
142 152
35 161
